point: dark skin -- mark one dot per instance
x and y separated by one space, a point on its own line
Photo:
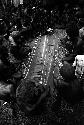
72 92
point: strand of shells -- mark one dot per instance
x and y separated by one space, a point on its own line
47 52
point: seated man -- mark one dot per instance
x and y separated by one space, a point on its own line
70 87
29 95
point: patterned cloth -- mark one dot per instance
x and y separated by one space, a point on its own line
79 63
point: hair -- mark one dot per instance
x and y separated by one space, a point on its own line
67 72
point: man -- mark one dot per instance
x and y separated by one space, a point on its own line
69 87
29 95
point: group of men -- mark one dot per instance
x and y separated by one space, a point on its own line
72 71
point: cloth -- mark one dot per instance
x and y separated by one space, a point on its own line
79 64
21 1
81 32
16 3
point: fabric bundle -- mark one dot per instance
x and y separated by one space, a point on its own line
79 64
16 3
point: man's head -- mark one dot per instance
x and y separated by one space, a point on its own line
67 72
